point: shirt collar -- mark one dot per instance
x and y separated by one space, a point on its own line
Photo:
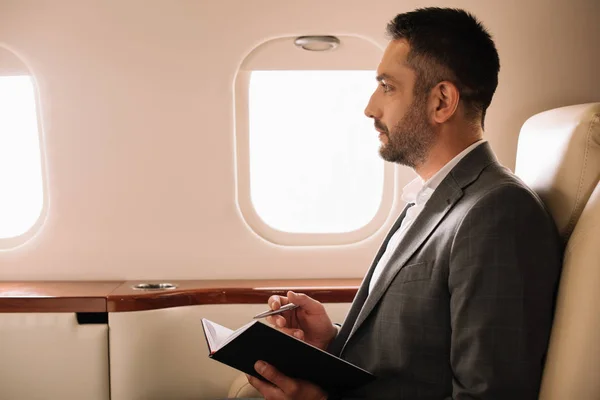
418 191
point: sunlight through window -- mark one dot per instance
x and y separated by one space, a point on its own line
21 189
314 162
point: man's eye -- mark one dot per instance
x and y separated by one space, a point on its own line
386 88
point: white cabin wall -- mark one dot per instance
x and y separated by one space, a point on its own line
137 111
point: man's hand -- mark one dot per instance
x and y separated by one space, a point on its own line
309 322
283 387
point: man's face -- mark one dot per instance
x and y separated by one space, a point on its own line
399 114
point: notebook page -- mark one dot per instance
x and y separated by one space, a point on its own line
216 334
237 333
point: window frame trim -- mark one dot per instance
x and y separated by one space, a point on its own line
244 203
26 237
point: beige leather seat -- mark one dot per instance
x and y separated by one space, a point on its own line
559 157
240 388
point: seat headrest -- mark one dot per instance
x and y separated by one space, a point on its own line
558 156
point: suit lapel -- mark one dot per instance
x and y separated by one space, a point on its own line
441 202
363 290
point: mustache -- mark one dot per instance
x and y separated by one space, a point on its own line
380 127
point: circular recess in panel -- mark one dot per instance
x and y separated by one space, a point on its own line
154 286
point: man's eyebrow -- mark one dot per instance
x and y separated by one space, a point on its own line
387 77
383 76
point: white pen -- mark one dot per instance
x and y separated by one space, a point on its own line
287 307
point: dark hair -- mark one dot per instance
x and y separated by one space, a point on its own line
450 44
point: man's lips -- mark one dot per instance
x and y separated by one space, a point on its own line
380 130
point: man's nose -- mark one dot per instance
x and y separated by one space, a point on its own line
371 110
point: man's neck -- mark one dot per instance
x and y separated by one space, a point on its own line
444 150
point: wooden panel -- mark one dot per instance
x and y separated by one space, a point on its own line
113 296
187 293
50 296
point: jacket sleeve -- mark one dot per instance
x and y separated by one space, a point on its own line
503 273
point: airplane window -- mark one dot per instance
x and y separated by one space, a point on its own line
314 161
21 186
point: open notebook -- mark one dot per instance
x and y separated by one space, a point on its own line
218 336
255 341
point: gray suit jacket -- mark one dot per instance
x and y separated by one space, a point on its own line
464 307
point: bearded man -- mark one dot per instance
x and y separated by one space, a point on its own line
458 301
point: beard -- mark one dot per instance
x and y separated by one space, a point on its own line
411 139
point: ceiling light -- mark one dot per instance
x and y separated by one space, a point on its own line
317 43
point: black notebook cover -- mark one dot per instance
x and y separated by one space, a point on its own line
292 357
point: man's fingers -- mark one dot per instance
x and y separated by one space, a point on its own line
276 320
275 302
308 304
297 333
286 384
265 388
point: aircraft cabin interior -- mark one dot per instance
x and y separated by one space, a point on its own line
163 161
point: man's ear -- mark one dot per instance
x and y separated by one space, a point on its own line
445 98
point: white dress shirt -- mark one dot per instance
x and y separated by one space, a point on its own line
417 192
